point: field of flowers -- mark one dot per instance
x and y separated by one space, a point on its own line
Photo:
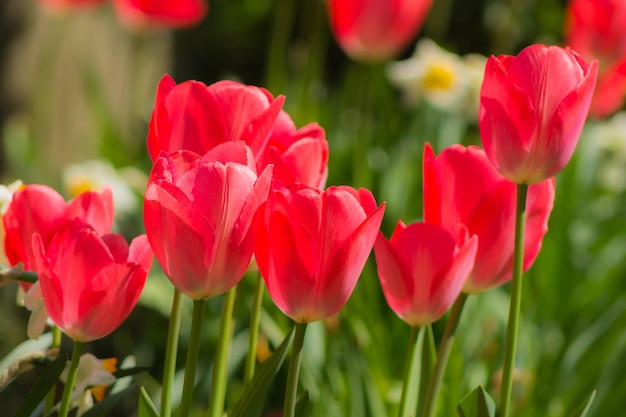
312 208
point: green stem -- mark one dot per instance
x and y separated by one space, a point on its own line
71 379
171 350
429 356
510 345
50 397
276 69
220 366
408 366
447 340
255 318
294 371
192 357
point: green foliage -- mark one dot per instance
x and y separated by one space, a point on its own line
477 404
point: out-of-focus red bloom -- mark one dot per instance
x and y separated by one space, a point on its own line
40 209
313 245
90 283
423 268
298 155
163 13
195 117
376 30
67 4
595 29
532 110
462 186
200 216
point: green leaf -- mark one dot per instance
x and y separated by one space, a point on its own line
103 408
24 349
477 404
250 403
45 382
583 409
146 406
304 407
121 373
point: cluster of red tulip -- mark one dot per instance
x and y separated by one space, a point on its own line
234 178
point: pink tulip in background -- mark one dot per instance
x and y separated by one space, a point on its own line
313 245
200 218
532 110
485 203
90 283
595 29
195 117
40 209
164 13
376 30
423 268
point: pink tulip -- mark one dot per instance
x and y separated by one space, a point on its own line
90 283
423 268
40 209
532 110
194 117
462 186
313 245
162 13
200 218
376 30
298 155
595 29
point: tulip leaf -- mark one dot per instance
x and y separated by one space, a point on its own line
250 404
583 409
304 407
104 407
477 404
146 406
42 386
121 373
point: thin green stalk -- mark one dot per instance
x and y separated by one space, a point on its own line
291 391
192 357
406 378
50 397
171 350
429 356
276 69
220 366
71 379
255 318
510 345
447 340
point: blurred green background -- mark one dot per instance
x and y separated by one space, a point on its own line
80 87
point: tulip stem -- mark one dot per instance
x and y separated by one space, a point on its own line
220 366
255 318
275 70
71 379
192 357
408 366
510 345
50 397
294 371
171 350
443 353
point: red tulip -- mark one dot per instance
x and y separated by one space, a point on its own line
376 30
595 29
532 110
194 117
90 283
164 13
39 209
462 186
298 156
313 245
423 268
199 215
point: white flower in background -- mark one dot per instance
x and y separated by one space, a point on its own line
443 79
96 174
609 140
93 377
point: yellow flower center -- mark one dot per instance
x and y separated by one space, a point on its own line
438 77
78 186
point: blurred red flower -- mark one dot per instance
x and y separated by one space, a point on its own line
532 110
376 30
161 13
